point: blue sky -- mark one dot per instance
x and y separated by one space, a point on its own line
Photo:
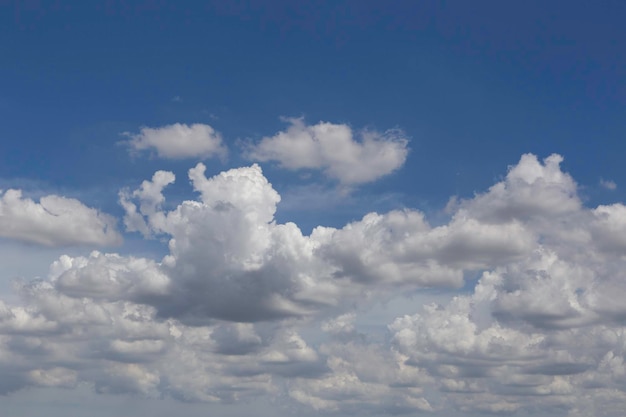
439 116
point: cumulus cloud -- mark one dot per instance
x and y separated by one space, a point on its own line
178 141
333 149
401 248
231 312
230 260
108 276
54 221
363 377
531 190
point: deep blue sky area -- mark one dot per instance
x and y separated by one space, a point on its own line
474 85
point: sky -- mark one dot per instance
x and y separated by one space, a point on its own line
316 208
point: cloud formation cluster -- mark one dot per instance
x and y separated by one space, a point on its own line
535 325
331 148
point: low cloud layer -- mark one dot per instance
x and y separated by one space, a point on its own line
243 307
334 149
178 141
54 221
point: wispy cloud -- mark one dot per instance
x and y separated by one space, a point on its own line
608 184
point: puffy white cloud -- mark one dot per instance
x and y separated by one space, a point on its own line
485 365
231 312
151 197
401 248
547 324
531 190
109 276
179 141
230 260
609 227
333 149
54 221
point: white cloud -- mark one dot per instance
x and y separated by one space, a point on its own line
54 221
108 276
608 184
274 271
179 141
530 190
151 197
333 149
228 259
401 248
232 312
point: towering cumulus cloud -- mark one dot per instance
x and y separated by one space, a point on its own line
517 299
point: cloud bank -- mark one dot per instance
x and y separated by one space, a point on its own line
534 325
